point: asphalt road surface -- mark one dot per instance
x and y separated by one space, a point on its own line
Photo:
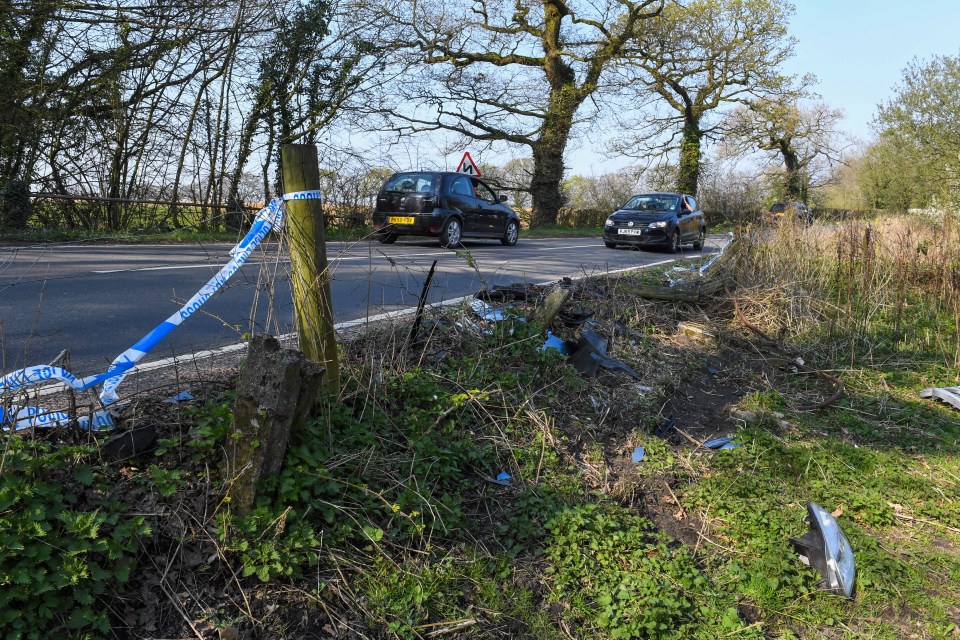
98 300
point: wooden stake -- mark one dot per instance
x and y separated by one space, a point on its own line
308 263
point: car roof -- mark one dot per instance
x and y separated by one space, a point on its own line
660 193
437 173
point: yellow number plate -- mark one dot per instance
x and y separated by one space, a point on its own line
400 220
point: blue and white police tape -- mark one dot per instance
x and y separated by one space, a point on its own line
268 218
29 417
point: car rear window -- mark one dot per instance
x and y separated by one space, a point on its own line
410 183
652 202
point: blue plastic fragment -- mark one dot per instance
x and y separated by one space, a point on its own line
504 476
713 371
558 344
638 454
180 397
721 443
486 312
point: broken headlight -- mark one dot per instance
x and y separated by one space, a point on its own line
826 549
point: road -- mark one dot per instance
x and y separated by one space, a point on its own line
97 300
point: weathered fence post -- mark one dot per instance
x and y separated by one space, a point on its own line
308 262
276 390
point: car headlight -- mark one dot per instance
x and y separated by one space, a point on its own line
658 225
608 223
826 549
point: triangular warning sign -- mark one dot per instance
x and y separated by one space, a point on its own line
468 166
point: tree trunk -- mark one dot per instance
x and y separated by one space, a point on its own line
688 172
793 181
545 185
549 148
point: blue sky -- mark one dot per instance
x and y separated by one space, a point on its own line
858 48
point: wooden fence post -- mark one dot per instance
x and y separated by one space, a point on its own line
310 275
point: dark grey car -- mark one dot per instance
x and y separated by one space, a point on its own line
449 206
657 219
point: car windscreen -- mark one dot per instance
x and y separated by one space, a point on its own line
410 183
653 202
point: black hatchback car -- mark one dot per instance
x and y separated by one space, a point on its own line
657 219
443 204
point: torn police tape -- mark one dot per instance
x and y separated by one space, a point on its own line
268 218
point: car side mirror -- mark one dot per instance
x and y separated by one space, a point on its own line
502 197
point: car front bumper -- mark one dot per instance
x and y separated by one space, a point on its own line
638 235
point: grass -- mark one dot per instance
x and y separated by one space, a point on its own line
386 521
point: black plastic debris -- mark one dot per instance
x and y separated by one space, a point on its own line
668 430
130 444
591 354
826 549
574 317
507 293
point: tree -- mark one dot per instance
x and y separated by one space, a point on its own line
924 115
502 71
695 59
803 140
319 58
890 175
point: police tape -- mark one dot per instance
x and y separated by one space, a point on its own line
268 218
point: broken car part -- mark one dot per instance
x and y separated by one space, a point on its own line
826 549
950 395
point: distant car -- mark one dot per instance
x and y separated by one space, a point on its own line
657 219
797 210
449 206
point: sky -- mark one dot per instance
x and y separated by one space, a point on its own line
859 48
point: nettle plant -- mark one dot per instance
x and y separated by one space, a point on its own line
57 557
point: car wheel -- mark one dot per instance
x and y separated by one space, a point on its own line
698 243
451 234
610 245
388 238
675 241
511 234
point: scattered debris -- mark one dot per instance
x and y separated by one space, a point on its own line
503 479
130 444
575 317
713 371
555 343
591 354
486 312
950 395
183 396
638 454
668 430
721 443
507 293
826 549
696 331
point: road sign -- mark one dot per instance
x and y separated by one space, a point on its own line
468 166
